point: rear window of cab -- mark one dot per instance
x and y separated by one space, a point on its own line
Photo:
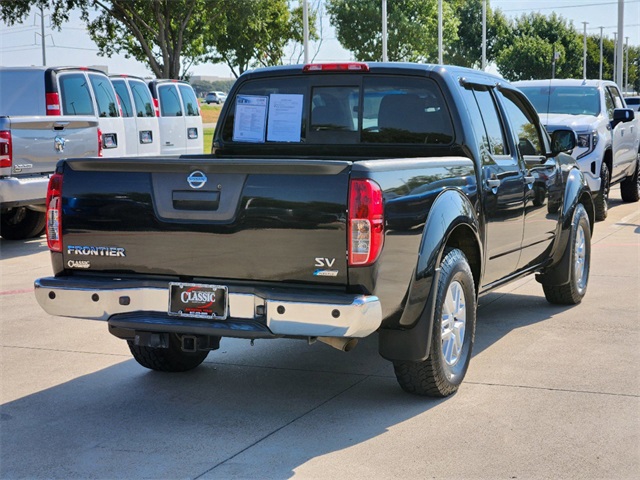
339 109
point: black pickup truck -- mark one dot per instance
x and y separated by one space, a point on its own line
339 200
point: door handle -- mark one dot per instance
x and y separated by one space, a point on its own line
493 182
529 179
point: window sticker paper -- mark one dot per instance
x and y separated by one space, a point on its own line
250 118
285 117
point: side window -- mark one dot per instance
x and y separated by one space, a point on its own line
523 123
608 101
617 98
75 94
105 96
477 125
190 101
142 99
123 96
169 101
492 123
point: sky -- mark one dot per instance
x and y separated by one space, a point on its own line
21 44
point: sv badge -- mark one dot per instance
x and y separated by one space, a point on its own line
325 262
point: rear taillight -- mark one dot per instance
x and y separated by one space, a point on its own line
53 104
99 142
156 105
54 213
366 222
6 151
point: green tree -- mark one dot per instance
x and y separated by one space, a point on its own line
167 35
254 33
467 49
412 27
526 50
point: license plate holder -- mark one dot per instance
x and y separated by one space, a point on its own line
198 300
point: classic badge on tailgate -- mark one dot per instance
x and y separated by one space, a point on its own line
197 300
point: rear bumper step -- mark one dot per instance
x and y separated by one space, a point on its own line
129 303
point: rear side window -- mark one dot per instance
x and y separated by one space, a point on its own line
169 101
142 99
523 123
190 101
492 123
75 95
123 96
105 96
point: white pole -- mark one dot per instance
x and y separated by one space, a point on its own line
44 55
305 28
601 28
440 32
619 49
615 56
584 52
385 58
626 66
484 34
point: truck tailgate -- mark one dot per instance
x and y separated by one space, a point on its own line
258 220
40 142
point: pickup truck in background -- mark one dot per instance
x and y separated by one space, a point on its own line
30 147
340 200
608 149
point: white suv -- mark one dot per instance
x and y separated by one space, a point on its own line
608 135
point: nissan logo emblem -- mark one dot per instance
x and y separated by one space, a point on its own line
197 179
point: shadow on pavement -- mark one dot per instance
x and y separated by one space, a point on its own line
22 248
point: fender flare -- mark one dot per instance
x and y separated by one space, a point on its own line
576 191
411 340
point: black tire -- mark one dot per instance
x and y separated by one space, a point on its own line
630 186
20 223
602 198
442 372
171 359
579 263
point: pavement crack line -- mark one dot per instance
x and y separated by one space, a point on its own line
63 351
321 404
550 389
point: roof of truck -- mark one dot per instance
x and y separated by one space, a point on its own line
562 82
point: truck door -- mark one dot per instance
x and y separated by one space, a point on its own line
502 186
148 130
172 124
543 188
622 136
192 120
129 120
113 131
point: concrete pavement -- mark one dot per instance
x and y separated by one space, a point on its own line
552 392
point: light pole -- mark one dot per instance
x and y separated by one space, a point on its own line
626 65
615 57
584 52
384 31
601 28
305 28
484 34
440 32
619 51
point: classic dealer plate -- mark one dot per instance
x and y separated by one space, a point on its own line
196 300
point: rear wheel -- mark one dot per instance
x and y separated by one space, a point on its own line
630 186
21 222
579 263
602 198
454 325
171 359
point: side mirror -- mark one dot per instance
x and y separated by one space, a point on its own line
622 115
562 141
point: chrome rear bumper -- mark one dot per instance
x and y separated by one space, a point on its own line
289 313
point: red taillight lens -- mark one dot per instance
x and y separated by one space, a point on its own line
366 222
54 213
156 105
333 67
6 149
53 104
99 142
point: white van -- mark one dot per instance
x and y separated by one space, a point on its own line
76 91
141 125
179 116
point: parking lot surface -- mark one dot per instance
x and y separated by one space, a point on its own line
552 392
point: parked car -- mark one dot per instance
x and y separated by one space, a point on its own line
179 117
215 97
34 135
289 228
142 127
608 149
633 102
